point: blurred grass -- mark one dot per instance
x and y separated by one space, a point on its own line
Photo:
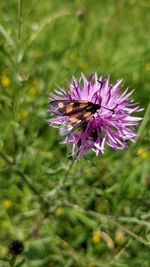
43 44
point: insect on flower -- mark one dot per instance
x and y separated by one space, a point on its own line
94 113
78 112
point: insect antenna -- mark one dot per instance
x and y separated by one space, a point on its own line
109 109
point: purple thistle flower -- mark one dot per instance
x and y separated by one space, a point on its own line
111 123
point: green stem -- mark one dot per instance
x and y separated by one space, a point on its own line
16 88
19 19
144 122
6 158
42 200
12 261
61 184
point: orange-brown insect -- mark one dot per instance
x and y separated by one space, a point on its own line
78 113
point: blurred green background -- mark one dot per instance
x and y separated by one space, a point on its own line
97 211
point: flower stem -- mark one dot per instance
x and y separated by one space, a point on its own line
56 190
12 261
16 87
20 5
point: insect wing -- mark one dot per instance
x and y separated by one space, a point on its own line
67 107
69 125
58 107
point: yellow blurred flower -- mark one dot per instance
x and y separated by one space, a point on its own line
96 237
143 153
32 91
3 250
24 114
73 56
37 53
132 2
90 265
83 66
6 203
58 211
120 238
35 81
5 80
147 67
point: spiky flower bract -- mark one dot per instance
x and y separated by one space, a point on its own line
111 128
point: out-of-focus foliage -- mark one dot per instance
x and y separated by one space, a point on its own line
95 212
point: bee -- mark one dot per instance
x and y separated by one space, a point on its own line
77 113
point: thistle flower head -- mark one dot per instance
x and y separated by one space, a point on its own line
111 123
15 247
